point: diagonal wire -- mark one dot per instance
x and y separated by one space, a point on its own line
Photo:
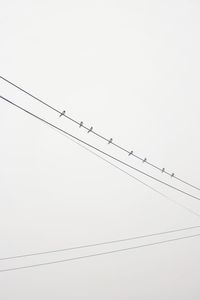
90 129
100 151
113 241
98 254
101 243
130 175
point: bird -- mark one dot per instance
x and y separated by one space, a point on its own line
110 141
144 160
91 128
62 113
172 175
130 153
81 124
163 170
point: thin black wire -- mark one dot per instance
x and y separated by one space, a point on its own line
100 244
97 149
130 175
112 164
98 254
100 136
113 241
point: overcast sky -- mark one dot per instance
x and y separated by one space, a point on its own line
130 69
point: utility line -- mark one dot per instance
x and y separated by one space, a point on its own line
90 129
100 151
100 244
98 254
113 241
112 164
130 175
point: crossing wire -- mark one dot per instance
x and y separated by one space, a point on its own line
97 149
90 129
131 175
101 243
98 254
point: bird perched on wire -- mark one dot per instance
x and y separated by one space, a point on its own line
62 113
91 128
110 141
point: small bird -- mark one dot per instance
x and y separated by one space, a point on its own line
130 153
62 113
163 170
81 124
110 141
91 128
172 175
144 160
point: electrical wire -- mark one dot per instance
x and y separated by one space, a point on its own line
100 151
97 254
130 175
100 244
90 129
113 241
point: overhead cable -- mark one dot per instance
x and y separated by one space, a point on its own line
90 129
130 175
101 243
100 151
97 254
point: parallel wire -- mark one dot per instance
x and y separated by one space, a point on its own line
100 244
97 254
113 241
131 176
100 151
90 129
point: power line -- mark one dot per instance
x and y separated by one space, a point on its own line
130 175
90 129
112 164
100 151
113 241
101 243
98 254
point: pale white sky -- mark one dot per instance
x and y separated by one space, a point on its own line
130 69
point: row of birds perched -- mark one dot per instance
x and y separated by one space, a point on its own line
111 140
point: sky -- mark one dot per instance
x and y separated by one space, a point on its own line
130 69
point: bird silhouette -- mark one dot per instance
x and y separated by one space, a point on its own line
91 128
62 113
